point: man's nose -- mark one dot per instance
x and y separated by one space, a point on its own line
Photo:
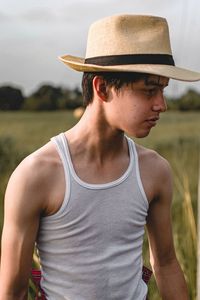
160 104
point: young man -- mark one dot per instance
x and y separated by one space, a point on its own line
86 196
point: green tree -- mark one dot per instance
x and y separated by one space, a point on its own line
190 101
71 99
10 98
45 98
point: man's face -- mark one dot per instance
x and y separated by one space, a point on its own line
136 107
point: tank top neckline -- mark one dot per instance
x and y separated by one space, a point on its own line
98 185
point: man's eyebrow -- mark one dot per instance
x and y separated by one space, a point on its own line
155 82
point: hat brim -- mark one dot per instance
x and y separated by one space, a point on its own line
77 63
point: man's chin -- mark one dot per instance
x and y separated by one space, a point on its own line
142 134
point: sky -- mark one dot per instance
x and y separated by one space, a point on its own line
34 33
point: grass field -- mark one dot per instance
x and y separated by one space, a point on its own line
176 137
33 129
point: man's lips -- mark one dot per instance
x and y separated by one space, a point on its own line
152 121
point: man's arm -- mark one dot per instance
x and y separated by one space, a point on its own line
21 220
167 271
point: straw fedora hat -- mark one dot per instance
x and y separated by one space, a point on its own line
130 43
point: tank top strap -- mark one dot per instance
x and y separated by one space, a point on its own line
59 142
62 148
133 168
132 148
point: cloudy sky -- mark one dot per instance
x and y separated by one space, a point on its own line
34 32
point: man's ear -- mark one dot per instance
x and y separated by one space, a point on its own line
100 88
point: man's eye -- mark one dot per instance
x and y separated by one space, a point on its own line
151 92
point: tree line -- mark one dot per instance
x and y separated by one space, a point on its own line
48 97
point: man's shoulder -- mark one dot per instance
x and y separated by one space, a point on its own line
151 156
39 160
153 162
155 172
37 177
38 167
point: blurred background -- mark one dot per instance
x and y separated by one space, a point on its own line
40 96
33 33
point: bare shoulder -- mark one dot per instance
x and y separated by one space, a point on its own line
41 163
35 166
37 176
155 172
153 159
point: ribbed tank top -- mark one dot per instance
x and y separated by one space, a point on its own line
91 248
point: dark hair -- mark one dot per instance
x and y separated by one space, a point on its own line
112 79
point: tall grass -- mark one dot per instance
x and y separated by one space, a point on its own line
198 245
31 130
187 246
183 156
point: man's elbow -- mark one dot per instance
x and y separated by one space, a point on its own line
164 260
168 265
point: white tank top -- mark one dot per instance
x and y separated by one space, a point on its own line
91 249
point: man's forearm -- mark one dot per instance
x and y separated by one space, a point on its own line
171 282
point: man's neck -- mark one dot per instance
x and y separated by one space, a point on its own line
96 136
